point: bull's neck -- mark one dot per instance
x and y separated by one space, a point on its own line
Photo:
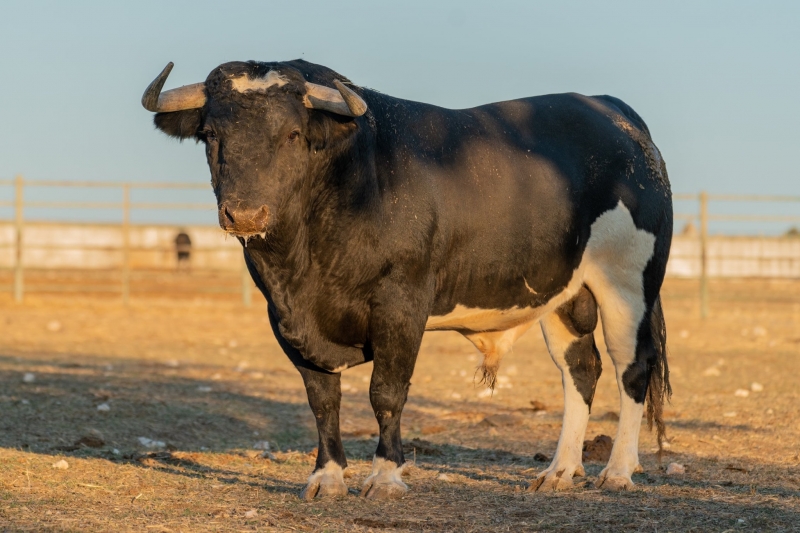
319 214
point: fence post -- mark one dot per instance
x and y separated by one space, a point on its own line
126 243
247 283
18 222
703 254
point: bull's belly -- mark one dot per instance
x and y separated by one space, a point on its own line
478 319
614 261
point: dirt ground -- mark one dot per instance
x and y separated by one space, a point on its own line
89 381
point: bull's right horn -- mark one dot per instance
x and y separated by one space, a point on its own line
187 97
342 100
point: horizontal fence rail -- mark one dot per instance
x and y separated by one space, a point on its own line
125 206
702 217
120 278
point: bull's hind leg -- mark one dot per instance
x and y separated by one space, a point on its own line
630 346
569 333
625 270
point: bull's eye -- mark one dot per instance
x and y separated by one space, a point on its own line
293 136
210 135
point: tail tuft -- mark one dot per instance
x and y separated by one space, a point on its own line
659 387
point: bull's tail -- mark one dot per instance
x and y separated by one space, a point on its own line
659 387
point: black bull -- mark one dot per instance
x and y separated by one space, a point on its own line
367 219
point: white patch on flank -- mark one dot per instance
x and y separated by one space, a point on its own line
568 459
616 256
245 84
339 369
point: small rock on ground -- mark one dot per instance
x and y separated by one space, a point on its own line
150 443
676 469
61 464
93 439
598 449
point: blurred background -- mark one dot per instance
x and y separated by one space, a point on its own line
92 198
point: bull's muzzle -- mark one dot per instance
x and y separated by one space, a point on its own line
243 221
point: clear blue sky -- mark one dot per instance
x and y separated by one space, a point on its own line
718 82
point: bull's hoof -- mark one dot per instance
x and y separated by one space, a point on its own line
326 482
384 483
615 483
555 479
383 490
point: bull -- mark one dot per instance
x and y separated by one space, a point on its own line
366 220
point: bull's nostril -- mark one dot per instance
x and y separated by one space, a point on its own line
229 216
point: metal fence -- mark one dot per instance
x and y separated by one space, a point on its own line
709 208
704 215
126 207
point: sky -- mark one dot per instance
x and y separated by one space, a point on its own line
717 82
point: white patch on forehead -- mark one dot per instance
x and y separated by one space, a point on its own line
245 84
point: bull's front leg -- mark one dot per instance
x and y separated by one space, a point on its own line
325 396
395 341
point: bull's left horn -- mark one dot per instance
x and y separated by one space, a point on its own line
187 97
343 101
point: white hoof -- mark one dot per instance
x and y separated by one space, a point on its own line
327 482
615 481
384 483
556 478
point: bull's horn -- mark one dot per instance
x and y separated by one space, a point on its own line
186 97
342 102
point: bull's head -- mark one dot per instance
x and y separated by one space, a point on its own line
259 134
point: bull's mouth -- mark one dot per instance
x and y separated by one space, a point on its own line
246 237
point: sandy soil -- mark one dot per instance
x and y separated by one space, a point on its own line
205 378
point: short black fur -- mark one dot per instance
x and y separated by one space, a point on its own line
372 224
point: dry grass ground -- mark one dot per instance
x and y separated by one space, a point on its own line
207 379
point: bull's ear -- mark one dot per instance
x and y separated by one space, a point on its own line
181 124
330 131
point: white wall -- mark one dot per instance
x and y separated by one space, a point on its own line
731 257
99 246
153 247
